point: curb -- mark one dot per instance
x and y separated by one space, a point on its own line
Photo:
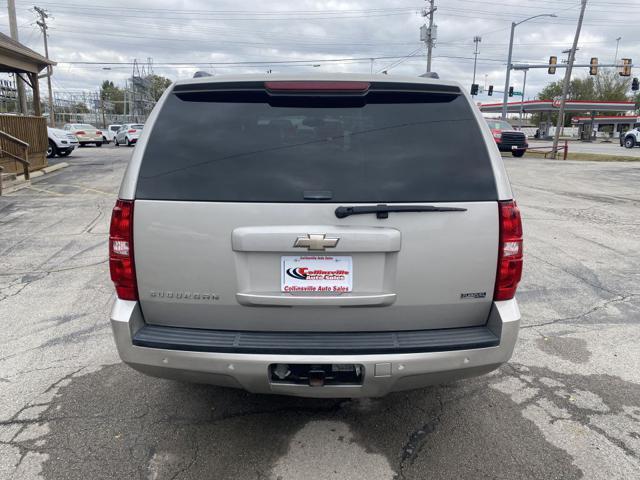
55 167
43 171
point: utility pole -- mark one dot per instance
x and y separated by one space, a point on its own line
505 95
567 80
43 26
428 33
477 39
13 27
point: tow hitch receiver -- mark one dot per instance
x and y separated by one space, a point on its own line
316 375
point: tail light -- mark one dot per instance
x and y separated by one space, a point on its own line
510 251
98 132
80 132
131 131
123 272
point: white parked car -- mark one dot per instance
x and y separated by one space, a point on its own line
128 134
61 142
109 133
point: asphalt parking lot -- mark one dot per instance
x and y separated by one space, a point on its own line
567 405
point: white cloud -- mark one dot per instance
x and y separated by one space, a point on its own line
221 31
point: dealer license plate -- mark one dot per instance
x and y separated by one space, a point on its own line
316 274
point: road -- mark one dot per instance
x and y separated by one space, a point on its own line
567 405
597 148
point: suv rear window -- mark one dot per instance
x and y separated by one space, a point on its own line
390 147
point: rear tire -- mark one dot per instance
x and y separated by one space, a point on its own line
51 150
629 142
518 153
98 144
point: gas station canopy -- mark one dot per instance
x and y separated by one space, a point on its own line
532 106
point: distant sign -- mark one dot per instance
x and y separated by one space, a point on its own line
557 101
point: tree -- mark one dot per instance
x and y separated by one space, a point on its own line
158 85
80 107
110 93
612 87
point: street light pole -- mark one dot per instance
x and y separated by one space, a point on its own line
617 45
505 97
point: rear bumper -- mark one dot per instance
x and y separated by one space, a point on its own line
384 372
512 147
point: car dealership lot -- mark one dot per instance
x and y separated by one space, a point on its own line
566 406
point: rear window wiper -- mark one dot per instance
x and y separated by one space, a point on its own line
382 210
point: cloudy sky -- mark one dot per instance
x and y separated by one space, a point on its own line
230 37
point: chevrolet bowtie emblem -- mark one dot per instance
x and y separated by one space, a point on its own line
316 241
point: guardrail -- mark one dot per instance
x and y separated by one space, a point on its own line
548 149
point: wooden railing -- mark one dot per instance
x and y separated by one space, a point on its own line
21 149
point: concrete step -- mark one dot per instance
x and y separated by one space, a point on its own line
11 183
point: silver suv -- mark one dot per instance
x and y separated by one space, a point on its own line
323 237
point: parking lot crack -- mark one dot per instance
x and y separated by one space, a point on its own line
415 442
575 275
601 306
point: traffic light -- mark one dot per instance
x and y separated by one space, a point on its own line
625 70
474 89
490 92
635 85
552 65
511 91
593 70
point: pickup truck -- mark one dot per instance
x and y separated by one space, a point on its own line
630 138
507 138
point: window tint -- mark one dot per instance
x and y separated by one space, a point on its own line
204 148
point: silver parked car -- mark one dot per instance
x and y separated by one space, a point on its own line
85 133
321 237
128 134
